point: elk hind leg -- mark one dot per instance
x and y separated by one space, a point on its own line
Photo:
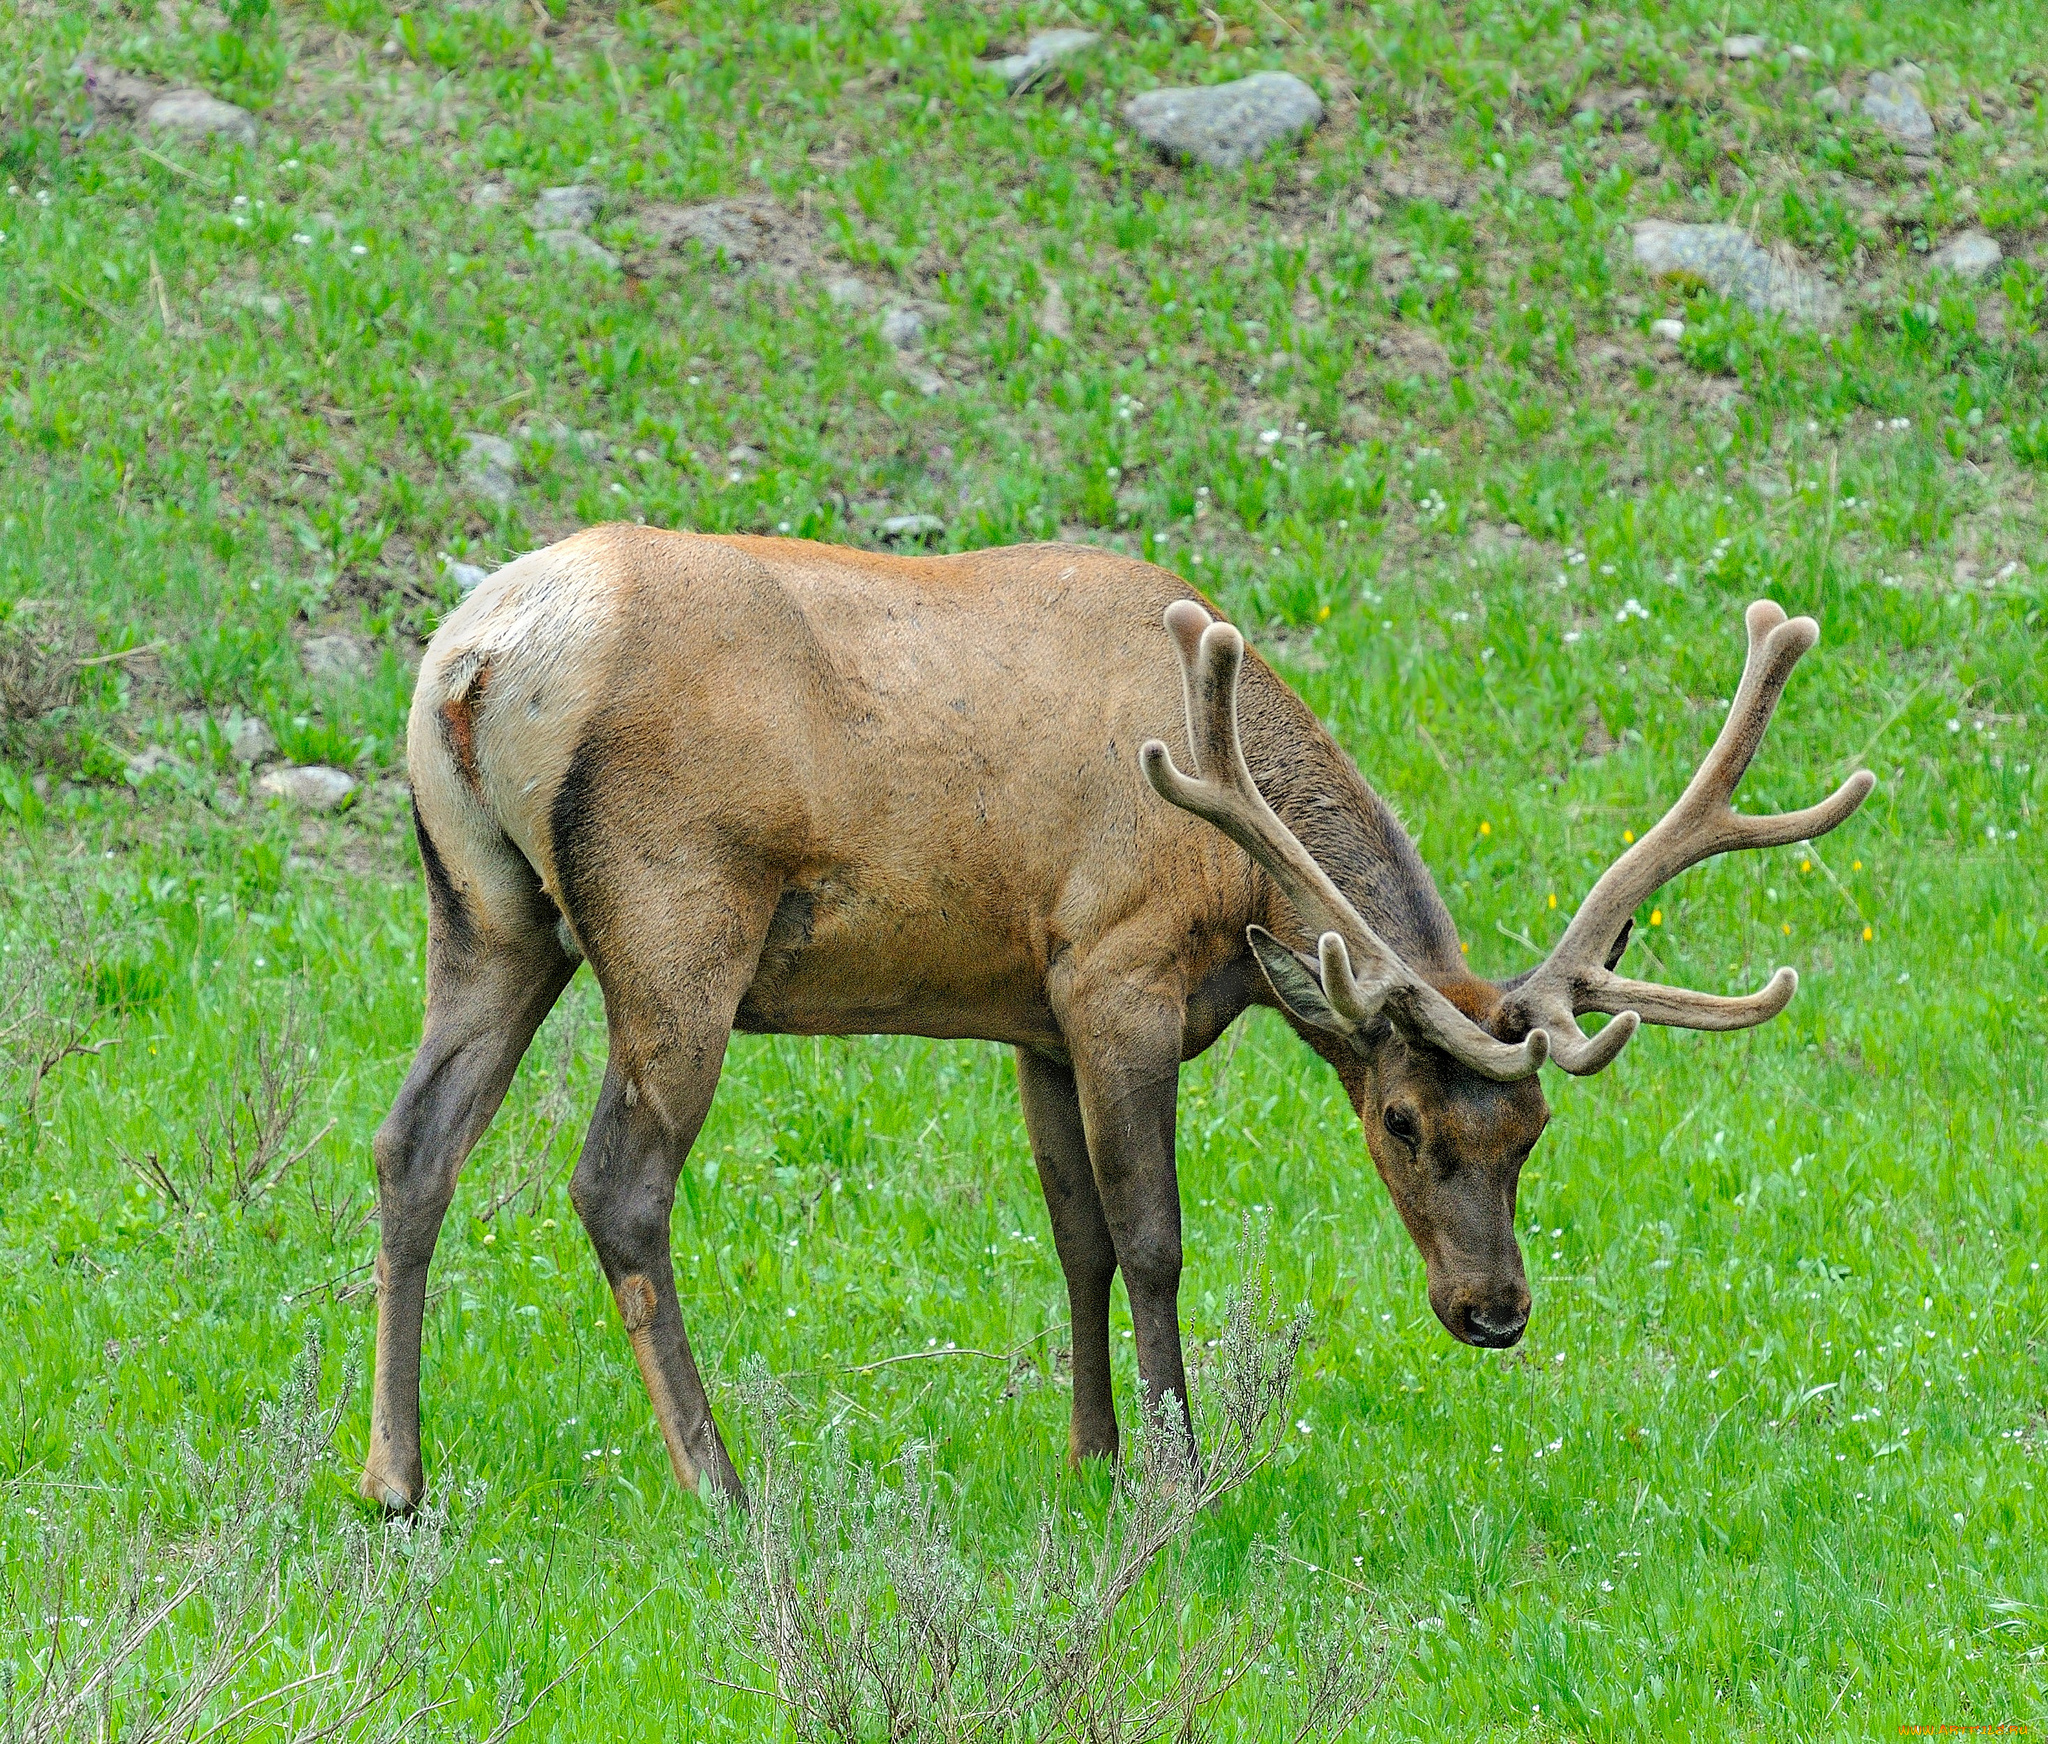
483 1007
670 1013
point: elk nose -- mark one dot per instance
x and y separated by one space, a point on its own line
1495 1328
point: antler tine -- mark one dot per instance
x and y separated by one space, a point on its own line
1574 978
1223 793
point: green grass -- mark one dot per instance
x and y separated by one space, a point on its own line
1771 1460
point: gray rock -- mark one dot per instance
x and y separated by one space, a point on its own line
1226 125
467 576
199 116
1893 102
336 656
249 739
148 761
486 195
1970 255
1727 260
574 245
570 208
848 292
1547 177
923 377
489 466
1744 48
312 785
1830 101
912 527
1667 331
115 93
903 329
1041 54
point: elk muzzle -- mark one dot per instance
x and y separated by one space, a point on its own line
1490 1312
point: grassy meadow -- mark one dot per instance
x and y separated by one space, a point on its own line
1773 1459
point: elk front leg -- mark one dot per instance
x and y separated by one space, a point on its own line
1127 1073
480 1018
1080 1236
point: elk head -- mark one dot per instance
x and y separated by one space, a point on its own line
1442 1067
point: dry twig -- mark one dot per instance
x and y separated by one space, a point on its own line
852 1600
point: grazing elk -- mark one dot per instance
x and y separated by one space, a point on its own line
774 786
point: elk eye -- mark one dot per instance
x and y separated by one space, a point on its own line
1401 1124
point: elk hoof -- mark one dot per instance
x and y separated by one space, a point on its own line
386 1492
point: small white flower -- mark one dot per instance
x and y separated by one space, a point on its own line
1269 436
1301 1423
301 238
357 248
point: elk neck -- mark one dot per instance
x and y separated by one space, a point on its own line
1314 786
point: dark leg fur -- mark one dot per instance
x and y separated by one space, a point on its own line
480 1017
1059 1146
1127 1080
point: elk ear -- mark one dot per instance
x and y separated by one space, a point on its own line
1297 982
